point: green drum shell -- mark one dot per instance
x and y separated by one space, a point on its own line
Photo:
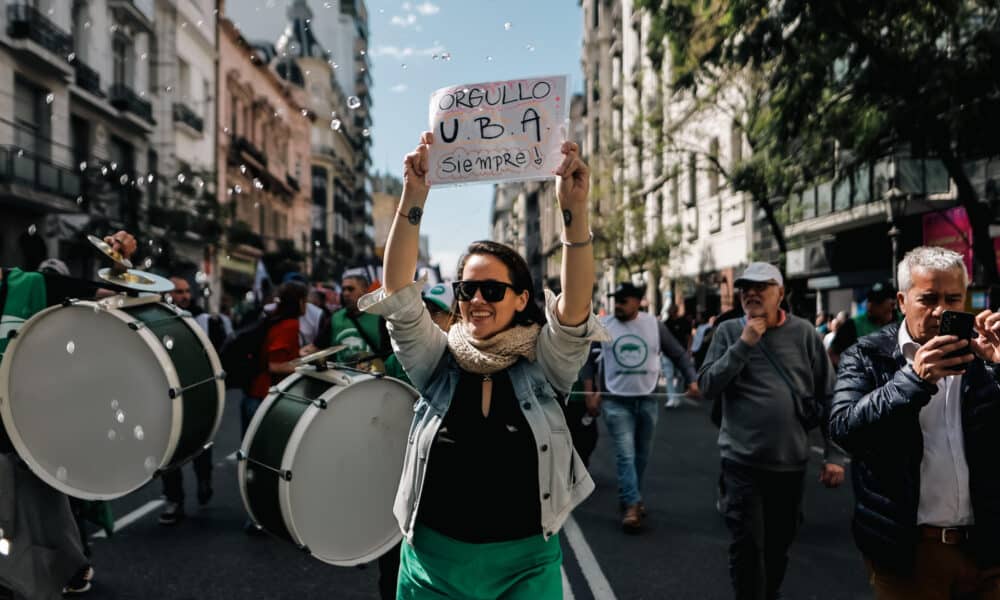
270 439
201 406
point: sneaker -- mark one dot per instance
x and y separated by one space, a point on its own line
631 521
80 583
204 492
172 513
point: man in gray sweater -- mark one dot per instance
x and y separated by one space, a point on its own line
775 382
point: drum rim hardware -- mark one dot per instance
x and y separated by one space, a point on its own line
284 474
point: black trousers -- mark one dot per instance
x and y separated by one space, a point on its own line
173 480
388 572
762 511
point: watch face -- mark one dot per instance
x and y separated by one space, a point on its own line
414 215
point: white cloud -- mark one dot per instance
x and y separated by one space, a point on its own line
397 53
407 6
427 9
408 20
399 88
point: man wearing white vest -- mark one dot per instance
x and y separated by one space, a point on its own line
631 367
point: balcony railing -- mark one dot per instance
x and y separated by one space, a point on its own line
124 98
292 182
184 114
24 21
240 233
87 78
246 146
19 166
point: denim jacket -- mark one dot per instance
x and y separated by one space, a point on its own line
421 348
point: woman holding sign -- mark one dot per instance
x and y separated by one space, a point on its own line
490 473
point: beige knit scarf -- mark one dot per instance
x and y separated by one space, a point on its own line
485 357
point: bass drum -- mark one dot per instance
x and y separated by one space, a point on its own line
321 461
97 397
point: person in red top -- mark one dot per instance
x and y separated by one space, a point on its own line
281 346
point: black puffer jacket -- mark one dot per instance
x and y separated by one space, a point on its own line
876 404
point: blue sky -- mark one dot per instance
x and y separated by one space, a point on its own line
543 38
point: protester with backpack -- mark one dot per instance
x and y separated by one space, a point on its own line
279 348
775 382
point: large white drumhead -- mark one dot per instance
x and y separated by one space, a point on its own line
86 403
346 469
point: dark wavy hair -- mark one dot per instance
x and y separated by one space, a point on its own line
289 298
520 278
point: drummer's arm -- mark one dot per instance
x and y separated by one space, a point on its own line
281 368
59 288
418 343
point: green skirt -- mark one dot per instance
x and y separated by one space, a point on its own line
436 567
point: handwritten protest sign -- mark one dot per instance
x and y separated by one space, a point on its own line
500 131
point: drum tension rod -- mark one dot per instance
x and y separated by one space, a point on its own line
174 392
137 325
321 403
286 475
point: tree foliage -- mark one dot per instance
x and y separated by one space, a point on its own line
872 76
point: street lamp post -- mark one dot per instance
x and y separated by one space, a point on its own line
896 203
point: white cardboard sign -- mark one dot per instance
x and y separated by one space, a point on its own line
498 131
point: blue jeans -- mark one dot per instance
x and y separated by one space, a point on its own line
631 421
672 375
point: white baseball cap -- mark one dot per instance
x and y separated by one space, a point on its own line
440 294
760 272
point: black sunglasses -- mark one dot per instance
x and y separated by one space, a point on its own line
493 291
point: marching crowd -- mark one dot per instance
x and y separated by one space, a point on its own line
504 375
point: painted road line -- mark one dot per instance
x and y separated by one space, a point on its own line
598 583
567 590
132 517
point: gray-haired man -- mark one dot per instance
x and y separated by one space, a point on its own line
774 379
923 426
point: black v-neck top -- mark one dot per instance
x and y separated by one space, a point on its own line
481 483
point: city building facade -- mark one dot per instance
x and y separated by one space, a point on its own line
185 216
76 123
263 162
337 141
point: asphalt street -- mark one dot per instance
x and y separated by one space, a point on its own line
682 553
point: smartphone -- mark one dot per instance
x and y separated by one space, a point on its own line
961 325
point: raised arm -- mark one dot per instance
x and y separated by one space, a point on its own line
572 188
402 247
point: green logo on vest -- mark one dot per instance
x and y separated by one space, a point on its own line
630 351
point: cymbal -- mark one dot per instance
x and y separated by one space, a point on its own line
110 252
318 356
140 281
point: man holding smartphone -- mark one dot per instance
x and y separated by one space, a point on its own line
923 425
